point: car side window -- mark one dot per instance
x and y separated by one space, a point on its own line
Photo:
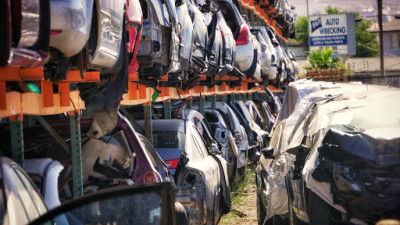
198 143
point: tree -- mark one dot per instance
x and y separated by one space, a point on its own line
366 42
301 29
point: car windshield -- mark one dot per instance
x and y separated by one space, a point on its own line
168 139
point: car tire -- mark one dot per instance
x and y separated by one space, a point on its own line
319 212
180 214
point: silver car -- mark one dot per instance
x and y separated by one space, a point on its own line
166 42
265 61
197 168
24 30
86 34
257 48
246 54
272 70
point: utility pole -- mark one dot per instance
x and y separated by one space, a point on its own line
308 22
381 37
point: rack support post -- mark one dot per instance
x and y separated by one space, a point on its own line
17 140
232 98
167 109
148 124
76 153
213 101
201 105
224 98
189 102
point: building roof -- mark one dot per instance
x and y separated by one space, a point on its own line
391 26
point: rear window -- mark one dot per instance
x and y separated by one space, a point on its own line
168 139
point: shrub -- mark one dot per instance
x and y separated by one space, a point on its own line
323 59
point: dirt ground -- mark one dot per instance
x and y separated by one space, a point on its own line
243 212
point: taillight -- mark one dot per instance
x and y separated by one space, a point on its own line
151 177
172 163
243 37
55 31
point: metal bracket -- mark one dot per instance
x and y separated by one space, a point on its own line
53 133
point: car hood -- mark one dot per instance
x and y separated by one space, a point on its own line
378 145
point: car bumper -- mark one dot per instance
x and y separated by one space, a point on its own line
72 19
273 71
244 56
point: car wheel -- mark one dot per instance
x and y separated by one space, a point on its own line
319 212
180 213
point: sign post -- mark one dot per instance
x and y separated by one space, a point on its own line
333 30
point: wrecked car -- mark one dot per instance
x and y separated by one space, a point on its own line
272 197
118 205
346 158
225 138
273 69
25 31
120 156
246 54
22 202
266 113
200 172
237 130
258 138
88 34
165 26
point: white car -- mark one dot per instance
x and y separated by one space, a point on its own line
274 61
246 53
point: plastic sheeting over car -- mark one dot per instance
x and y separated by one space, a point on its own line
352 136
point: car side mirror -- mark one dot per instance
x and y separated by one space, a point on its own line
214 149
268 153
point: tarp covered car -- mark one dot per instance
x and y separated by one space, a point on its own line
347 157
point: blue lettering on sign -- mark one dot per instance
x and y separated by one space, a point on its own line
315 24
332 21
328 40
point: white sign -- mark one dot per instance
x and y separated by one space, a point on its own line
334 30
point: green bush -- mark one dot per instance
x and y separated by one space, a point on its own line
323 59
